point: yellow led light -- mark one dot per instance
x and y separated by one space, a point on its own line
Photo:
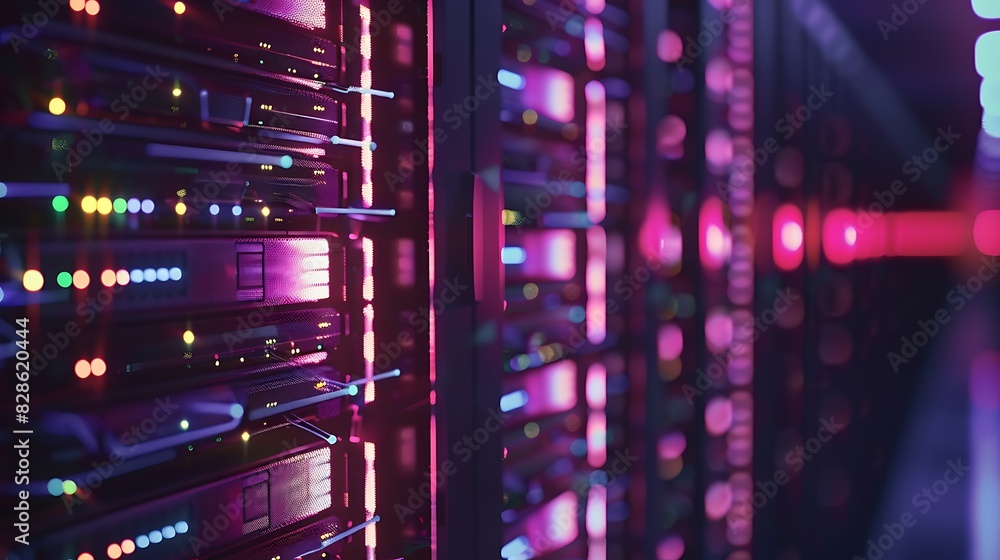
89 204
57 106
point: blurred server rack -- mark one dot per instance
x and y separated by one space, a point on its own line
567 461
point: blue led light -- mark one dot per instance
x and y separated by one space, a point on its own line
236 411
175 273
237 210
135 276
213 209
987 54
510 79
169 532
286 161
148 206
133 205
513 255
155 537
1 294
513 401
181 526
55 487
162 274
3 190
142 541
149 275
352 390
332 439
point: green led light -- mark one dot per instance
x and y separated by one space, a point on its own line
185 424
120 205
218 439
69 487
60 203
64 279
190 448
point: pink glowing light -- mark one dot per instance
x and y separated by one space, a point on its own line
923 234
791 236
593 43
597 439
848 236
369 350
718 500
550 92
597 386
552 515
368 293
719 149
670 342
431 276
669 47
718 416
370 537
719 75
597 279
787 244
838 242
718 330
671 445
670 548
551 389
367 186
659 240
986 232
551 255
310 14
596 173
715 242
597 512
595 6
